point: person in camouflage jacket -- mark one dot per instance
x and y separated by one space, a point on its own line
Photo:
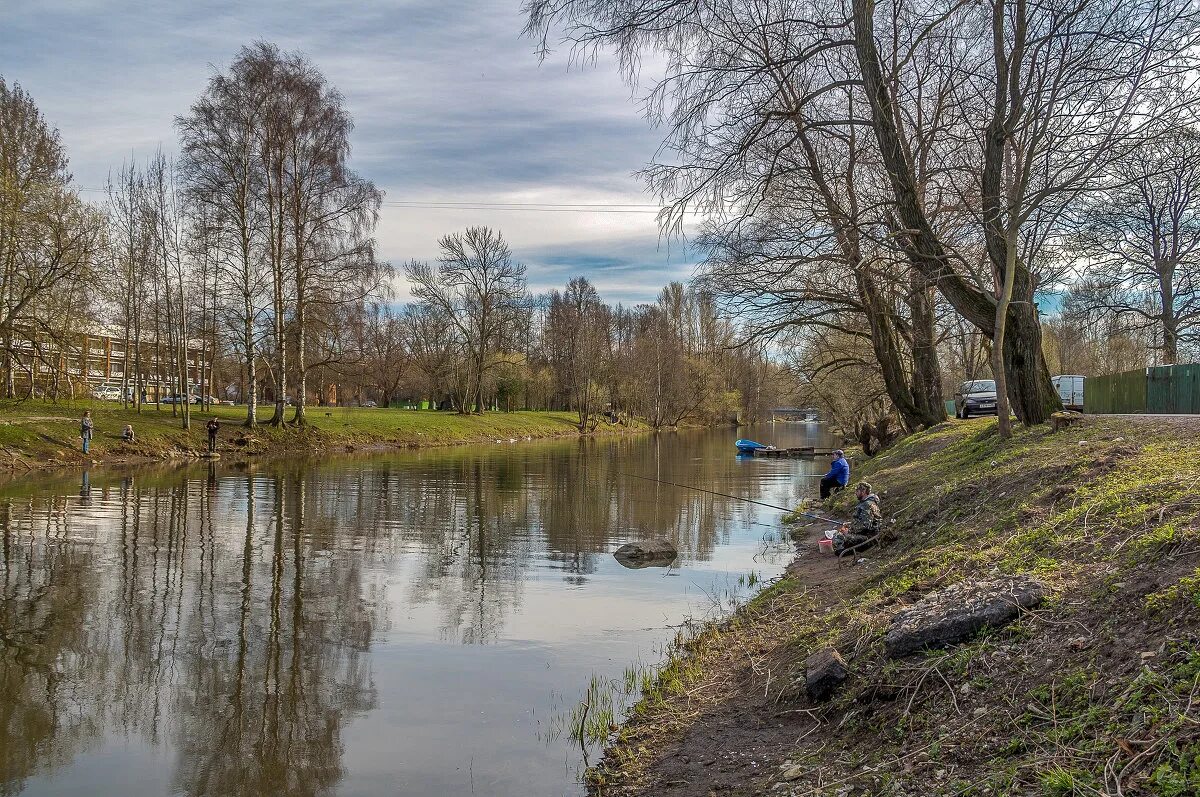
864 524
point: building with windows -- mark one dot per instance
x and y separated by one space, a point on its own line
85 362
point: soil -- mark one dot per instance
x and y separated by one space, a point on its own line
739 728
1095 693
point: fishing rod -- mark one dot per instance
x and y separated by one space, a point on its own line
727 495
818 517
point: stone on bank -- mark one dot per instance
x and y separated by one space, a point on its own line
824 672
958 612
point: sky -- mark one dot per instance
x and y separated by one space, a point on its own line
450 103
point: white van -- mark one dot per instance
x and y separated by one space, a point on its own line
1070 390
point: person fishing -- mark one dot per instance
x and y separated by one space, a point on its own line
863 528
86 427
838 476
212 427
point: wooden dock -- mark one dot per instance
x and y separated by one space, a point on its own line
806 452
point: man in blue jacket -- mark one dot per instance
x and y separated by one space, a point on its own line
838 476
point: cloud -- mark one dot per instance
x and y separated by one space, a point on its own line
450 103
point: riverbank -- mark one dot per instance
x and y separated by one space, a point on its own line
1094 691
40 436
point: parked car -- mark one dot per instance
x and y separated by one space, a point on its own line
171 398
368 403
107 393
975 397
1070 390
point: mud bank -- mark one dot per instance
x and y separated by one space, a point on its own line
1095 690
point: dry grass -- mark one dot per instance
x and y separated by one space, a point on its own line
1095 693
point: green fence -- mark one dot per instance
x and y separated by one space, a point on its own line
1125 392
1163 390
1173 389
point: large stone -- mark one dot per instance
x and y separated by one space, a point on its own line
656 552
959 612
824 672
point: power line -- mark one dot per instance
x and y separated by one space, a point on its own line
518 208
533 207
526 204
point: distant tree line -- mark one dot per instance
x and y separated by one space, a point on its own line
255 245
475 339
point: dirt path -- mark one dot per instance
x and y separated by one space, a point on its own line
735 725
1096 691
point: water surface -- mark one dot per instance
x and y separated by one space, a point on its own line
413 623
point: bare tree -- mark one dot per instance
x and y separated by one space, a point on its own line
577 344
478 286
131 269
173 276
431 345
1057 89
1138 245
223 173
48 237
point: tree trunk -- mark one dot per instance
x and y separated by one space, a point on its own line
887 351
926 367
301 368
1170 324
137 365
1033 396
280 355
1003 300
1030 390
251 395
10 386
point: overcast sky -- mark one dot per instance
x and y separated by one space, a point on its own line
450 105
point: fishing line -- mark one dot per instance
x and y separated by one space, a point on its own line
727 495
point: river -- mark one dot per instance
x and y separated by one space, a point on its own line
409 623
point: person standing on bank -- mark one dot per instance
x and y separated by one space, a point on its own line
85 430
213 426
838 476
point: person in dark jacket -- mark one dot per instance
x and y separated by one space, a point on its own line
864 524
85 430
838 476
213 426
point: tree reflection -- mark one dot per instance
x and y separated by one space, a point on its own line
250 680
45 719
227 615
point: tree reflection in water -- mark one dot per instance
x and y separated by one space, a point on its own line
228 615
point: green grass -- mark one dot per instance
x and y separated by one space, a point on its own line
1105 514
40 433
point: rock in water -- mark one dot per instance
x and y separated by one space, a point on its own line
657 552
960 611
824 672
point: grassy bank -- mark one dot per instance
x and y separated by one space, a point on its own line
35 435
1097 692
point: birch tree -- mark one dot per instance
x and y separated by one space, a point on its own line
221 140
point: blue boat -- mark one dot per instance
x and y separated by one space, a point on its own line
748 446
